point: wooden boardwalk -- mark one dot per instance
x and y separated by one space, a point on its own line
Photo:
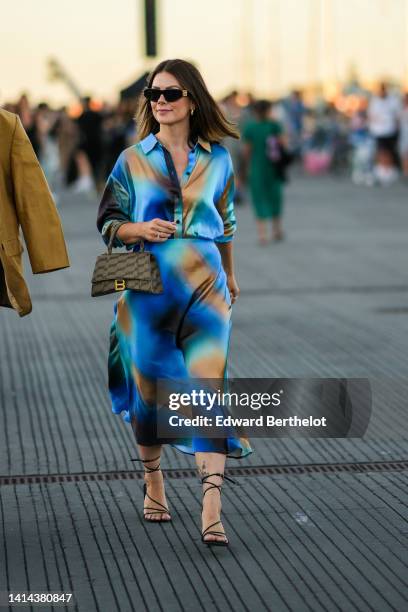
329 301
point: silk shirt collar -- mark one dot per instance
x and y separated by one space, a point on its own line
150 141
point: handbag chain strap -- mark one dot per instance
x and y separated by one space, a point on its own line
114 228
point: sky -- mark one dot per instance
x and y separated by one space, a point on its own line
267 46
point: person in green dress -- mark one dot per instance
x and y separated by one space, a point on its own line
265 186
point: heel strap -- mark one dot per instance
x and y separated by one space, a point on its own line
212 485
155 510
147 467
207 532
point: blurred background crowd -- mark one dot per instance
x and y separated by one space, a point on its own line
337 101
365 136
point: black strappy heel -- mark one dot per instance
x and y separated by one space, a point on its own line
206 530
152 510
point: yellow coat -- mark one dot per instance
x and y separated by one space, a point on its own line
26 201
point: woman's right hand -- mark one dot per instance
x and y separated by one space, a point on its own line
157 230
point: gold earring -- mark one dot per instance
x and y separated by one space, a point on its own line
192 111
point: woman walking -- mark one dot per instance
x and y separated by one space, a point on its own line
265 184
175 188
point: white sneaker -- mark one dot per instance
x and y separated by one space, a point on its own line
385 175
83 185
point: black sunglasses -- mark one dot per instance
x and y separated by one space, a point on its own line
170 95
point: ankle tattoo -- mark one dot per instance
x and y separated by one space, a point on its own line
203 469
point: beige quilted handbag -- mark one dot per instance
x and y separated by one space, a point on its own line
114 272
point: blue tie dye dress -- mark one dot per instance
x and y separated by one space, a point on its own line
184 331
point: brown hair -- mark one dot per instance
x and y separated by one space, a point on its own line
208 121
261 108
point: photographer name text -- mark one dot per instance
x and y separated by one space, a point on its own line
260 421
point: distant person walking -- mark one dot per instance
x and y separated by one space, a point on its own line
383 117
295 110
90 127
265 183
403 136
68 140
233 112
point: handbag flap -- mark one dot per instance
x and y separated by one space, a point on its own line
124 266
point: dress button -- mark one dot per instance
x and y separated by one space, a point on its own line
178 221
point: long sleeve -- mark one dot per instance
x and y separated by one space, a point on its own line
225 203
115 204
35 207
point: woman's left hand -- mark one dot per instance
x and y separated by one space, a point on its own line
233 287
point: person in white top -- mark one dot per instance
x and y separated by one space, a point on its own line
383 121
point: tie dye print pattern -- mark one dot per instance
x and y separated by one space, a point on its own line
140 188
185 331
